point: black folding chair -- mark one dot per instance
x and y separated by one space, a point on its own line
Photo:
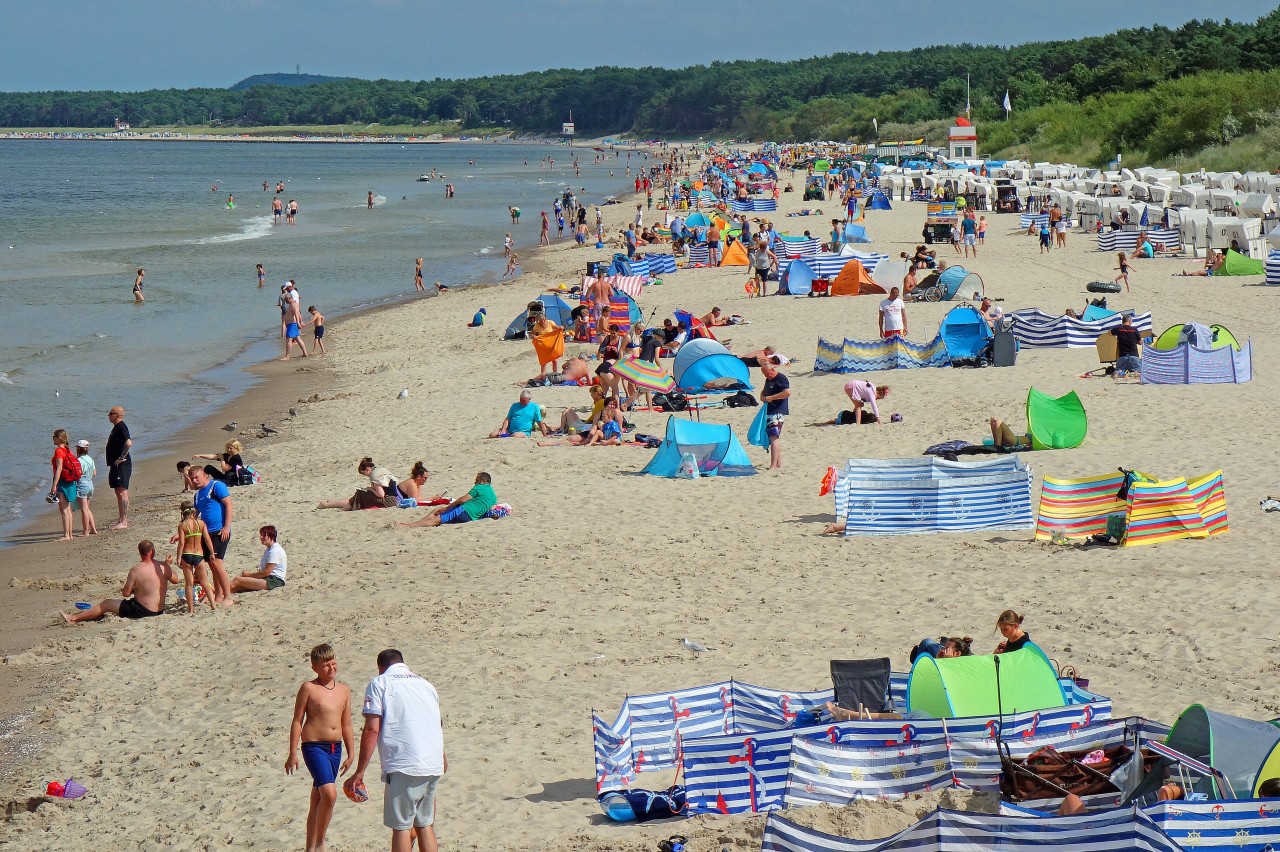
862 685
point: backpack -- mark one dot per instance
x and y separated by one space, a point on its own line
71 470
674 401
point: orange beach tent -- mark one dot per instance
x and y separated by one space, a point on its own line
735 255
854 280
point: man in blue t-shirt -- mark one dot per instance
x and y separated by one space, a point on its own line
775 396
970 230
522 418
213 505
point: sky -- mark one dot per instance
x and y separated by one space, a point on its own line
131 45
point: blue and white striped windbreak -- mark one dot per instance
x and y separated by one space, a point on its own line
784 246
1109 240
836 774
1121 830
1272 269
1033 327
1026 219
748 773
1189 365
754 205
699 254
930 495
827 265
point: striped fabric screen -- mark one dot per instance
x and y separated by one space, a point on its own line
1155 511
1273 269
896 353
1026 219
904 496
1189 365
827 265
754 205
799 246
1033 327
1128 829
1109 240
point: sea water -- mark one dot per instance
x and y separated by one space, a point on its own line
79 218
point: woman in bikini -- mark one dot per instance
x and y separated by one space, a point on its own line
193 544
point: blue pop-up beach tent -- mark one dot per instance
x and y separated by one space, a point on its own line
714 445
965 333
557 310
879 201
703 360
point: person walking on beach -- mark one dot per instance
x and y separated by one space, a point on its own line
512 262
321 728
137 287
371 199
119 464
62 488
417 276
143 594
775 396
291 216
84 487
544 235
1123 269
893 316
317 326
402 716
277 210
508 245
262 276
293 329
193 542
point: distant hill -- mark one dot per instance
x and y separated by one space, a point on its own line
284 80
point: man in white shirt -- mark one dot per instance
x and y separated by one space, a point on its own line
402 715
893 316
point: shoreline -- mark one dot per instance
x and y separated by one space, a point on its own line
33 562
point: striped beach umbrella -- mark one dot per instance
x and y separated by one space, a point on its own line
644 374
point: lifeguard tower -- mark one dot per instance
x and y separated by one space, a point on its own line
962 140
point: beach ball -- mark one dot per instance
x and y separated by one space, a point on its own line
359 794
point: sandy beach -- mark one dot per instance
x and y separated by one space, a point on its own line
178 726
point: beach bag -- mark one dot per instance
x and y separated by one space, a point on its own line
741 399
688 468
246 475
71 470
674 401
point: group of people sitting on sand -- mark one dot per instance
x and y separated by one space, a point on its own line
384 491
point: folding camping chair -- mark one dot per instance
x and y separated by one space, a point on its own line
1107 355
862 685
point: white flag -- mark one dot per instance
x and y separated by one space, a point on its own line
875 122
1008 107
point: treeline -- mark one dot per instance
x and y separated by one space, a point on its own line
834 97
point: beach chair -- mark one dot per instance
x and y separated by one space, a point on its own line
1106 344
862 685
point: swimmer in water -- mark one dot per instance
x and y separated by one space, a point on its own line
137 287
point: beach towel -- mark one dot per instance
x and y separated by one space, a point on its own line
549 347
757 434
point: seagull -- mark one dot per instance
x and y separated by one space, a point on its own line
230 427
293 412
404 393
267 430
694 646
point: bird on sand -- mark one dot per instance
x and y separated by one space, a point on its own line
230 427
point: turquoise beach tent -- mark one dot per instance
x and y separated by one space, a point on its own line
557 310
714 446
956 687
798 279
697 220
879 201
703 360
855 234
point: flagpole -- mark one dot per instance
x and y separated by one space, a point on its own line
968 111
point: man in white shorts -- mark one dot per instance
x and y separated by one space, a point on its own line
402 715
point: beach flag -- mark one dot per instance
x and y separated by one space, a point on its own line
1008 106
1145 220
875 122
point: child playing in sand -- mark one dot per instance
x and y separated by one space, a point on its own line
472 506
321 714
193 543
317 320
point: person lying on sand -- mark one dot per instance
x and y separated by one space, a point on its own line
143 592
842 715
472 506
1004 437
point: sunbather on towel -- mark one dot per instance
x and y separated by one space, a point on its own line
1004 437
472 506
842 715
943 647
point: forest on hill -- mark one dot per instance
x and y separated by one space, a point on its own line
1158 91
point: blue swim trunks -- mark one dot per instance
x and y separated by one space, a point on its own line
456 515
292 330
323 761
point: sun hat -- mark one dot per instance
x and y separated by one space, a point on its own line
83 444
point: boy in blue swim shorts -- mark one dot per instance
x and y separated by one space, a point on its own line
321 727
472 506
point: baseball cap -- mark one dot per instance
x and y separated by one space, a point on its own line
82 443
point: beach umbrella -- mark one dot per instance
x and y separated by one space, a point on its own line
644 374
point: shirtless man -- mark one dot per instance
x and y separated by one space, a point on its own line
714 319
321 715
147 583
293 329
600 292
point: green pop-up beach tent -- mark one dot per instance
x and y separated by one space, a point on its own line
1238 264
955 687
1055 424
